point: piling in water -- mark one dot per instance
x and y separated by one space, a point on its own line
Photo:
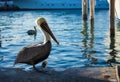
92 9
84 9
112 18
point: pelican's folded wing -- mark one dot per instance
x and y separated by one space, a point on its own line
32 53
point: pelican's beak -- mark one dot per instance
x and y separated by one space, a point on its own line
45 27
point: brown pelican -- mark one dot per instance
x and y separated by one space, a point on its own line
36 53
32 32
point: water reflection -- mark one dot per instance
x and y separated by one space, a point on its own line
88 43
113 53
91 33
85 38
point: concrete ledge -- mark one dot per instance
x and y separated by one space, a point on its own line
100 74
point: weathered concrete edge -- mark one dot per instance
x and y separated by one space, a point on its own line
69 75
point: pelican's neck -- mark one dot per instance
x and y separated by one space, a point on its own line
35 29
46 36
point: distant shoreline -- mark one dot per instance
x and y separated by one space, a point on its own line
16 8
5 6
8 8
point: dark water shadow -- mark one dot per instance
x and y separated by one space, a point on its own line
112 52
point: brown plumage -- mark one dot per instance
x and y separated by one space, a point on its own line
36 53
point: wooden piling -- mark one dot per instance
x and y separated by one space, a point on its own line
92 9
112 18
84 9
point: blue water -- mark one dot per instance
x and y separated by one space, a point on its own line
81 45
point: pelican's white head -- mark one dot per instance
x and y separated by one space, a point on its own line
41 22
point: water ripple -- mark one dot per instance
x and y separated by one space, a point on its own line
80 44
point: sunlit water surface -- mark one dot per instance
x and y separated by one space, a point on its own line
81 45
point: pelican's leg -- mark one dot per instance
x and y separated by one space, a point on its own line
36 69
